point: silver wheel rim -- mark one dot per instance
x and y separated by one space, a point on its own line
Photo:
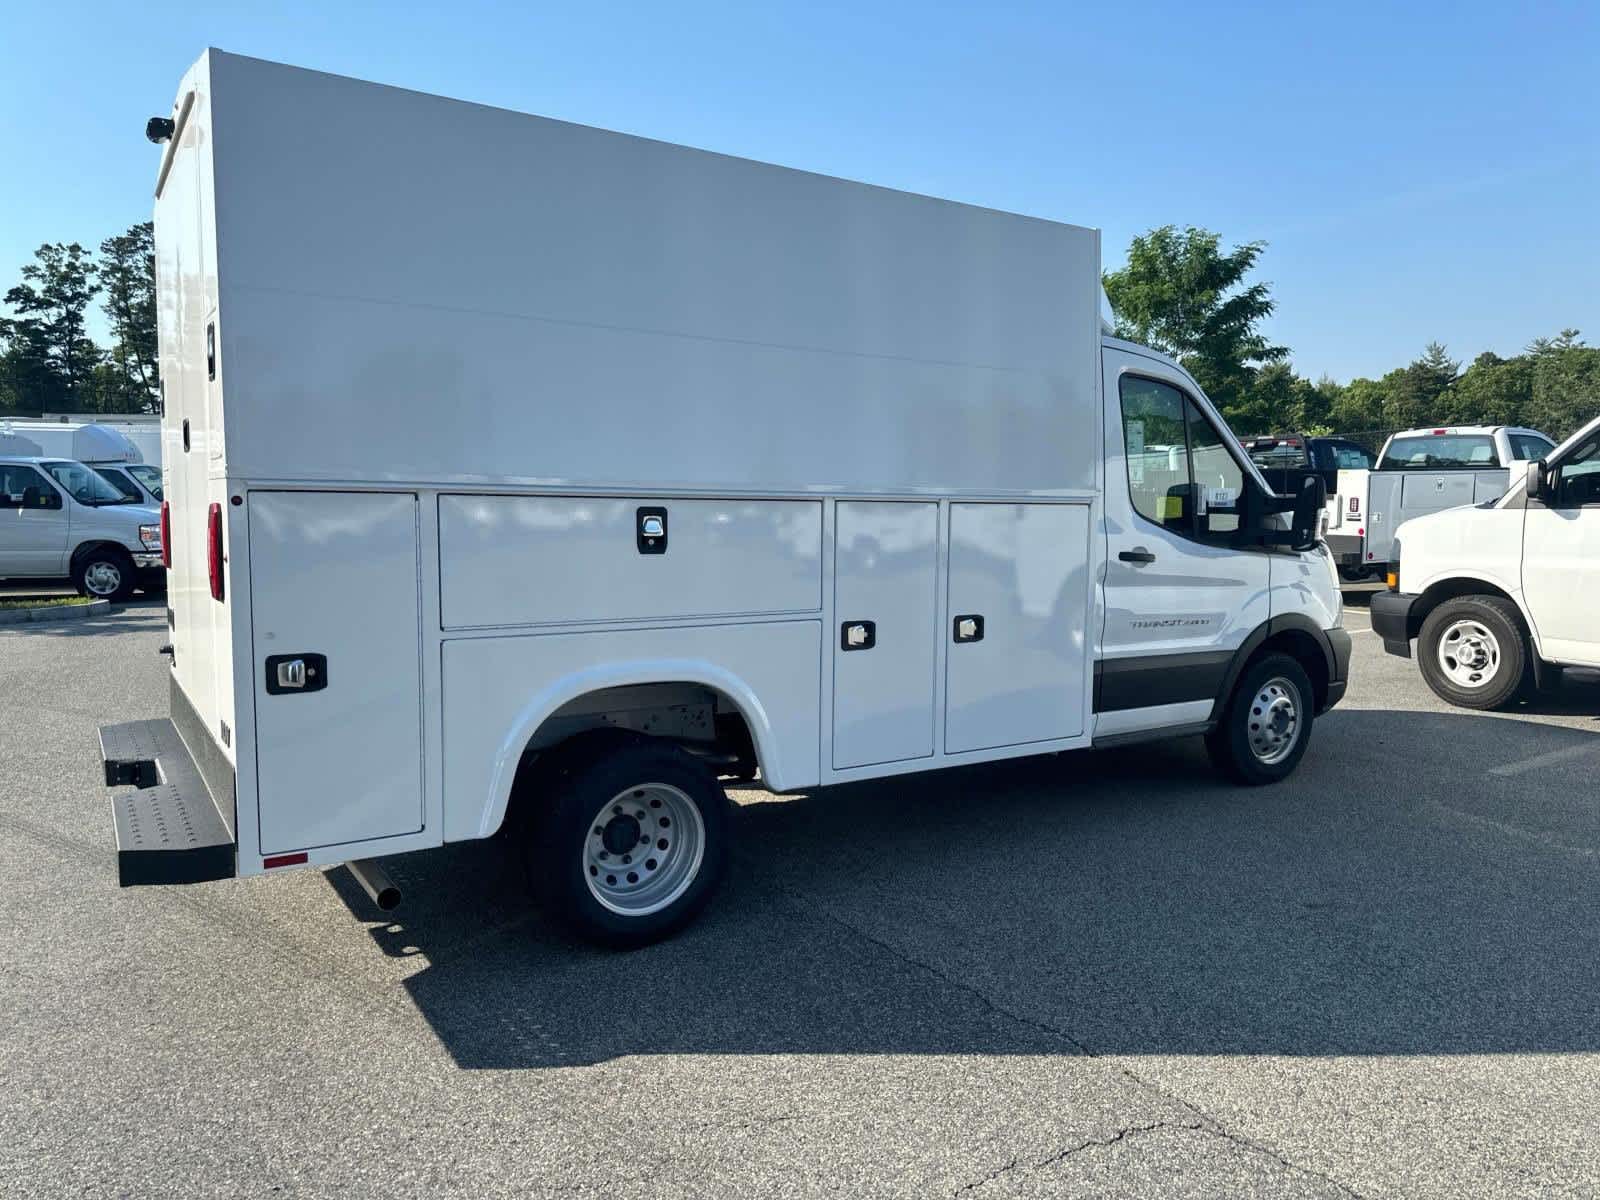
1469 653
643 849
102 578
1273 720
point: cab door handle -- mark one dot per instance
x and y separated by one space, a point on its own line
1137 555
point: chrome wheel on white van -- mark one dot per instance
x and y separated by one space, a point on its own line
628 836
1274 720
104 573
1474 651
1264 726
102 578
1469 653
644 849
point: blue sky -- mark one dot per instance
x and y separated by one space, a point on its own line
1419 172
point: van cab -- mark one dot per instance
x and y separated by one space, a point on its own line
60 519
1500 594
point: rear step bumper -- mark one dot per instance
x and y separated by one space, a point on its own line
169 829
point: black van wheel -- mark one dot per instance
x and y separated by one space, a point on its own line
1266 724
104 573
629 839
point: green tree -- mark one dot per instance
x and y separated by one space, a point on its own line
1183 295
1493 391
1566 383
127 272
51 303
1413 392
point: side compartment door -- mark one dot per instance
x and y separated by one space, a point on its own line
885 565
337 651
1179 598
1019 593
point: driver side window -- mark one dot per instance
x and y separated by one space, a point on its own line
1181 474
1577 479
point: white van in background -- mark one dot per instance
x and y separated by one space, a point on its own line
786 473
1502 593
85 442
61 519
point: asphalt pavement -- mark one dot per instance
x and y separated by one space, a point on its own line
1084 975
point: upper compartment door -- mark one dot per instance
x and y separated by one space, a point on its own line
337 663
1019 597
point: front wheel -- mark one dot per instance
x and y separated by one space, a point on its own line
1266 723
1473 652
630 842
104 573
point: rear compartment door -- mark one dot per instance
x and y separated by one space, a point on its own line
336 634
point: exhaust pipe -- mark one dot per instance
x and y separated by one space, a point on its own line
375 882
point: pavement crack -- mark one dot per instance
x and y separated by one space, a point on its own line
1204 1122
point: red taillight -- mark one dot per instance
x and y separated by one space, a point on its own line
283 860
214 550
1437 432
166 535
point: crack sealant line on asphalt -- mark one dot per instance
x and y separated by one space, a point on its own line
1206 1123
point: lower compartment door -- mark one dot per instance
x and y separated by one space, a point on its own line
1019 595
336 636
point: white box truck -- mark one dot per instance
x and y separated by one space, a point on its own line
784 473
1500 595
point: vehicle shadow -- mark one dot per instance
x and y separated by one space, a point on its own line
148 611
1398 896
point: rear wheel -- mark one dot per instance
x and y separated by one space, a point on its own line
1266 723
104 573
630 840
1473 652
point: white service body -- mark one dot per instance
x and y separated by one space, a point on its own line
437 365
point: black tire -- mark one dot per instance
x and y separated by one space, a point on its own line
1250 751
1456 623
105 573
564 835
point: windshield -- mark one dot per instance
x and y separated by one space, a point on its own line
121 482
85 484
150 477
1439 450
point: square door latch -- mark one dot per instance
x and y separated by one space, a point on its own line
291 673
858 635
651 530
969 628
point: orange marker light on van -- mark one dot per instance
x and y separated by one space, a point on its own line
1393 580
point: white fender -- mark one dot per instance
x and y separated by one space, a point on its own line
544 703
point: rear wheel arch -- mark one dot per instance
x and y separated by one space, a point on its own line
526 752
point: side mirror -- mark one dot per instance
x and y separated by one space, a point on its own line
1537 476
1306 521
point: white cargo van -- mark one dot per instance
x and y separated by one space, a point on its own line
785 473
1501 593
61 519
1421 471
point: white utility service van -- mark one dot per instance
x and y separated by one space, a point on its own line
1422 471
1501 593
785 473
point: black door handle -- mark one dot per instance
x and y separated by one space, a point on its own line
1139 555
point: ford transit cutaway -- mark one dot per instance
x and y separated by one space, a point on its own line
527 476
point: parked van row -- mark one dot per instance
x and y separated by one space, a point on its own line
787 474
